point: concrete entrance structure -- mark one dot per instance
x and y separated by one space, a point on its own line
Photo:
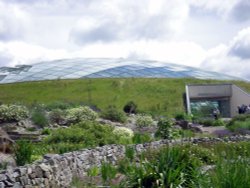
225 97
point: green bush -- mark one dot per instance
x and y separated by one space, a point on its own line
164 129
229 174
239 118
46 131
140 138
82 113
113 114
58 105
124 135
57 116
170 167
240 124
206 122
23 152
183 116
10 113
219 122
39 117
130 108
82 135
143 120
108 172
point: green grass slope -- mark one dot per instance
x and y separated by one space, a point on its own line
152 95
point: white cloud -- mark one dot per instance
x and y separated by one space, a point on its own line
130 20
234 58
13 22
13 53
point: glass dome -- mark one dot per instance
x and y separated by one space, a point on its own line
103 68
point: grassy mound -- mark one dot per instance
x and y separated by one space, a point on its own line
152 95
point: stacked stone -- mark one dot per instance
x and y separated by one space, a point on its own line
58 170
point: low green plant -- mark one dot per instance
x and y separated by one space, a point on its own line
183 116
81 135
58 105
113 114
170 167
234 174
130 153
92 172
219 122
46 131
39 117
108 172
240 124
164 129
140 138
9 113
142 120
22 152
206 122
239 118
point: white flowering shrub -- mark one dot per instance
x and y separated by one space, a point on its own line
123 132
82 113
143 120
124 135
13 113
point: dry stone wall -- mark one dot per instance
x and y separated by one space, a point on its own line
57 170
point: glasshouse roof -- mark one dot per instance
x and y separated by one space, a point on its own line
103 68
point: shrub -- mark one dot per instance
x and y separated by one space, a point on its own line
39 117
143 120
108 172
229 174
170 167
183 116
140 138
58 105
124 134
23 152
164 129
10 113
57 116
113 114
46 131
130 107
218 122
241 117
206 122
84 134
240 124
82 113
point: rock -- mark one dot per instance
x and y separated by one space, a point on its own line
183 124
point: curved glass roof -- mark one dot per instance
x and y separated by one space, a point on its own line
103 68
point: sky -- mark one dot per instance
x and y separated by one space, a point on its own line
211 34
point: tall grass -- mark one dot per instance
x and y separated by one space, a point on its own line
229 173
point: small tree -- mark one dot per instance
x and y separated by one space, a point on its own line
23 152
113 114
142 120
164 129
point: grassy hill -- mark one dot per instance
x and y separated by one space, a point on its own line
152 95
